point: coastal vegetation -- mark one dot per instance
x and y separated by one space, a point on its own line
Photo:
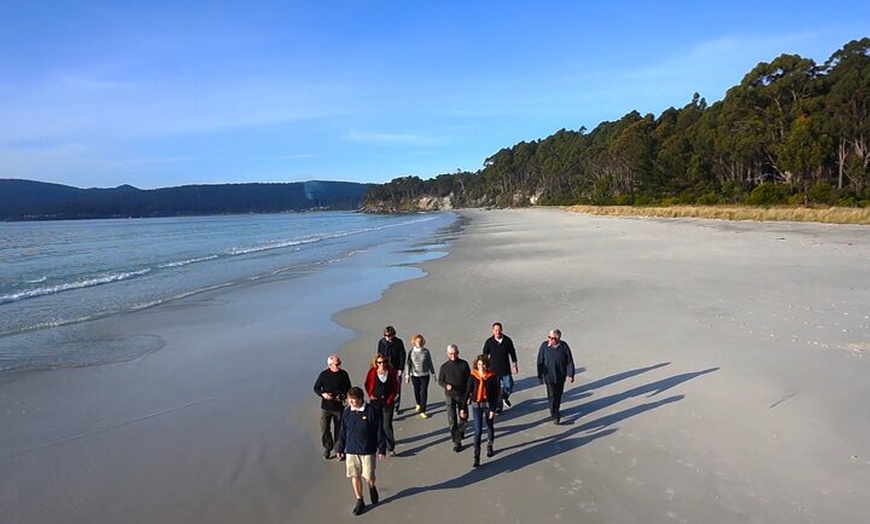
792 133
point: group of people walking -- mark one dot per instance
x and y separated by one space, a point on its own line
360 432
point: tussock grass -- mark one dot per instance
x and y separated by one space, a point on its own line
830 215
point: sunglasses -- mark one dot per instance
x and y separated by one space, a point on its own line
380 361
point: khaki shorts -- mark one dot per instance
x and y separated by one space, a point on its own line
360 466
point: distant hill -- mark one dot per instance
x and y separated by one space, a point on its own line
31 200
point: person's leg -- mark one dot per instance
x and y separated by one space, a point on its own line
550 399
424 392
478 430
336 429
490 436
452 417
398 396
388 427
558 389
507 387
326 433
369 463
415 381
353 465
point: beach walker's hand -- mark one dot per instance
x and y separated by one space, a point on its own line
339 456
382 456
571 379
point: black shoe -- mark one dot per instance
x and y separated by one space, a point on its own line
359 508
557 420
373 492
457 447
476 462
507 402
327 453
489 451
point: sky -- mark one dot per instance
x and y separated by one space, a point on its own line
164 93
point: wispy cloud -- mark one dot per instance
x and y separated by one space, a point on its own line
390 139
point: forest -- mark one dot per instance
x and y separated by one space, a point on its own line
792 132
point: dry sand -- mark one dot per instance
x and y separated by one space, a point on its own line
724 379
725 374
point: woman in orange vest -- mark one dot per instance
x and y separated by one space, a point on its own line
482 394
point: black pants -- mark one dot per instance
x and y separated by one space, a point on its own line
454 421
554 396
329 436
387 422
421 391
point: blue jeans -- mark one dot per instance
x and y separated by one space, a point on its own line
507 387
480 412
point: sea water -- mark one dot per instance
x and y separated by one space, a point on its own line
58 276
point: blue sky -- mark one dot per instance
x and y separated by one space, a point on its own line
165 93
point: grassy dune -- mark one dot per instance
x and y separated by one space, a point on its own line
830 215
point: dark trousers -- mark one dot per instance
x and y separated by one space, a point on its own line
481 417
387 422
329 435
454 421
421 391
554 396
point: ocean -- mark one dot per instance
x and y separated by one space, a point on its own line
57 277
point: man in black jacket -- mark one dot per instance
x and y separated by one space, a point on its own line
453 377
331 386
499 349
393 348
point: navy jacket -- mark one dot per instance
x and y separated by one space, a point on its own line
555 364
362 432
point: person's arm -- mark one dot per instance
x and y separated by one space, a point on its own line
442 378
541 370
377 418
569 368
512 357
392 386
370 383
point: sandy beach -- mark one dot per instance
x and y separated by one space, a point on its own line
723 379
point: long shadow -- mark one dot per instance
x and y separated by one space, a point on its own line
528 453
541 450
650 390
606 381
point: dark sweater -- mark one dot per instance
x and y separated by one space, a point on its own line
362 432
335 382
455 373
394 350
500 354
555 364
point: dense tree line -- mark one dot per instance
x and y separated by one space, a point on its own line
792 132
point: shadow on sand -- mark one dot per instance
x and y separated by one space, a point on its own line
570 436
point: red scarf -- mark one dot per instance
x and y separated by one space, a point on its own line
480 394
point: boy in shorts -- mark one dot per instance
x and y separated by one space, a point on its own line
361 437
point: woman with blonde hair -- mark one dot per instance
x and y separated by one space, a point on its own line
482 393
418 369
382 386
